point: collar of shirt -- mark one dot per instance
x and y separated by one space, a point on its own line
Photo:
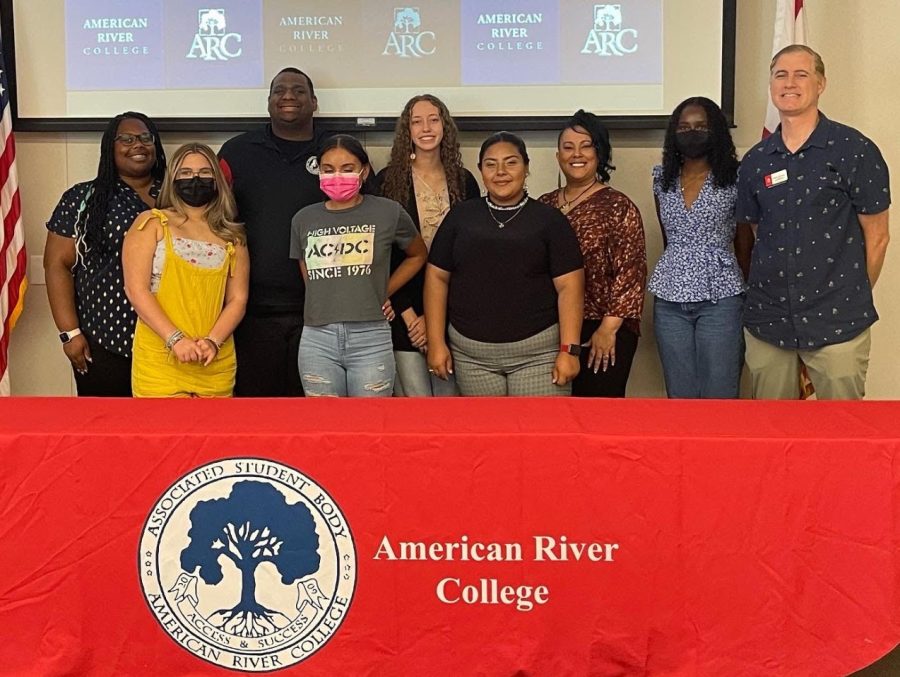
123 189
818 138
267 138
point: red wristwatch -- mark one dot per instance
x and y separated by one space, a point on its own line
571 348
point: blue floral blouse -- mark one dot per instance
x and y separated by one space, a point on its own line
698 263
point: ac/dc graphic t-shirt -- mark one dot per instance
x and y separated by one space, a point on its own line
348 256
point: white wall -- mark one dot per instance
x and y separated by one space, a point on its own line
857 49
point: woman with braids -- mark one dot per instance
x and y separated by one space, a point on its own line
83 255
698 284
426 176
187 272
611 235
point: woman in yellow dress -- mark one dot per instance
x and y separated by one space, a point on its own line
186 274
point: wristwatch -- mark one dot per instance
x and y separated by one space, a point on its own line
571 348
67 336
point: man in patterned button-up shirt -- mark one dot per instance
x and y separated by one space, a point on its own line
816 194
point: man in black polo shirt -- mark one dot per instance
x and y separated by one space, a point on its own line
274 174
816 194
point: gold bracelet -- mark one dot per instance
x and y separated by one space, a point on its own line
217 344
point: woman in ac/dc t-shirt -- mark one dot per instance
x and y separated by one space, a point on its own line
344 249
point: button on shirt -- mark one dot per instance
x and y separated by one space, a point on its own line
808 283
104 311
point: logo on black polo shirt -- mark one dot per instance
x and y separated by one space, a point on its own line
248 564
608 37
212 41
407 39
312 166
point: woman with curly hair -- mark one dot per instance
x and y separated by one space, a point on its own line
426 176
698 283
83 255
186 273
611 236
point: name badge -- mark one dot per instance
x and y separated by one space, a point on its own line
775 178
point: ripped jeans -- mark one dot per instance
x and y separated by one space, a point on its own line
354 359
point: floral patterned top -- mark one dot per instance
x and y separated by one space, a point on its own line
698 263
611 235
199 252
432 205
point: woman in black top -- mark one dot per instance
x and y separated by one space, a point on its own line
83 255
426 176
507 271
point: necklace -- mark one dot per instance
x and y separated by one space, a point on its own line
420 177
506 208
517 207
567 206
690 181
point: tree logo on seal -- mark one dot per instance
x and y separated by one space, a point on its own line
248 564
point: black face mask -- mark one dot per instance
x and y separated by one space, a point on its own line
196 191
692 144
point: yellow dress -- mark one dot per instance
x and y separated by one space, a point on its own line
192 297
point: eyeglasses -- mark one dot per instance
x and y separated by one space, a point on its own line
145 138
188 173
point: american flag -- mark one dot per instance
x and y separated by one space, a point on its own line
12 235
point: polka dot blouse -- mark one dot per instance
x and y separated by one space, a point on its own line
103 310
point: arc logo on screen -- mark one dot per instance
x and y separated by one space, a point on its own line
608 37
407 38
212 45
213 41
248 564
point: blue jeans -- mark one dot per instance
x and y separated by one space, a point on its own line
414 379
353 359
701 345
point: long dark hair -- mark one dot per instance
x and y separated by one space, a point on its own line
399 169
590 123
721 156
93 213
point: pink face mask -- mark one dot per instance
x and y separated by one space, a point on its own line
340 186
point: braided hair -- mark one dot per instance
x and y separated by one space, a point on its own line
93 211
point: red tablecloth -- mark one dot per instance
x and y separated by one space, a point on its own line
731 538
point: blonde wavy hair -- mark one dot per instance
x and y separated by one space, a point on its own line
221 212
